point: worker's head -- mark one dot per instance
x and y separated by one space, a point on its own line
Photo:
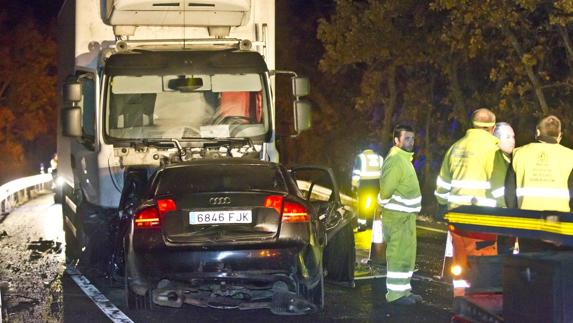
404 137
549 126
504 132
363 147
483 119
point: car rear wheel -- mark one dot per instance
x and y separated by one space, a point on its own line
134 301
316 294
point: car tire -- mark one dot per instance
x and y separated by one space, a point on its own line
340 258
317 293
134 301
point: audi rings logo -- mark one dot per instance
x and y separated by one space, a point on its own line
221 200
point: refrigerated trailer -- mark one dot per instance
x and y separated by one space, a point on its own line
144 83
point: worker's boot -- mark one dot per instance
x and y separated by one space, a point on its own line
408 300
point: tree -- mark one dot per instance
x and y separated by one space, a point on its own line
27 90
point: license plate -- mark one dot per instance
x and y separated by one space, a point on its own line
217 217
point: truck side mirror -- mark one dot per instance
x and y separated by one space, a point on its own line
72 92
302 116
300 86
72 121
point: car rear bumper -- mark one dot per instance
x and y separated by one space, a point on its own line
262 267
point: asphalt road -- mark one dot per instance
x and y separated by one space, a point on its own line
32 263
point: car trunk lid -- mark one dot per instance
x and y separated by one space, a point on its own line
221 218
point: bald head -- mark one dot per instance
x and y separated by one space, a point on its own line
483 119
504 132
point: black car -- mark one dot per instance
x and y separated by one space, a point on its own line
237 233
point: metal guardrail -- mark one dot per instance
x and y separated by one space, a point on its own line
13 194
19 191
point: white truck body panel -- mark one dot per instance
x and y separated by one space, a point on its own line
178 13
82 37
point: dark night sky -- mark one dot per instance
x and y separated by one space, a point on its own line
42 10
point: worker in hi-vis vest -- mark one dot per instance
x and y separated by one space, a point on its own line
472 173
504 132
400 199
540 177
365 185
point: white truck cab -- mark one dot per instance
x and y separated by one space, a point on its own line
149 82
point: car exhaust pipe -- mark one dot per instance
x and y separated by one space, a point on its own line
166 297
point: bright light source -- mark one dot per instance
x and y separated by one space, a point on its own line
60 181
368 202
456 270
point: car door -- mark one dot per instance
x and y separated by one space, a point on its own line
320 189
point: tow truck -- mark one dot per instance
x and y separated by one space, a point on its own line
525 287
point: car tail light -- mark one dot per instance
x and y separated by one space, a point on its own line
275 202
166 205
294 212
291 212
149 217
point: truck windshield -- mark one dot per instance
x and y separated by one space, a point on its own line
183 106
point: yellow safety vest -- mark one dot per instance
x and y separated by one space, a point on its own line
473 172
541 172
366 166
399 186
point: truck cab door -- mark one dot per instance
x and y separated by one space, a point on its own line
83 149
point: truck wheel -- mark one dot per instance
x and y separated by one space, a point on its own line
73 248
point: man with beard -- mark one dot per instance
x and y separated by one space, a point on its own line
401 200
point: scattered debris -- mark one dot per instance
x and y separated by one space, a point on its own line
41 247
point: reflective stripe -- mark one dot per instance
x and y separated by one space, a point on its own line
398 287
471 184
441 183
357 172
460 283
362 160
512 222
468 200
369 161
445 196
382 202
398 207
498 192
397 198
399 274
416 200
542 192
372 173
373 160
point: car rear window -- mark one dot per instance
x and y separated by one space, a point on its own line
220 178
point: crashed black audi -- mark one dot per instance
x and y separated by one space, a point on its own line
237 234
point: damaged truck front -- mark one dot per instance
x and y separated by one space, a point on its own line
144 83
